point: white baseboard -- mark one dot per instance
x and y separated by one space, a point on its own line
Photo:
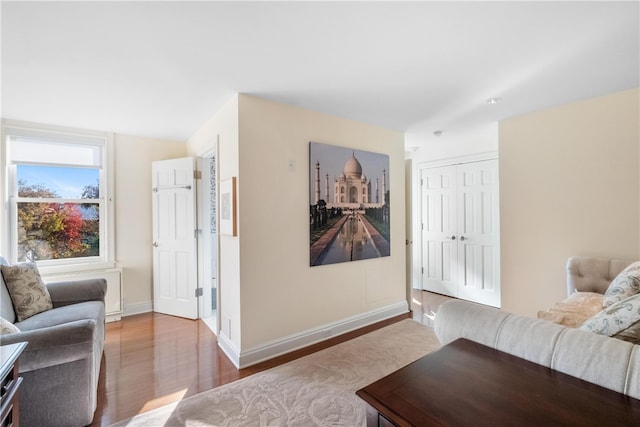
294 342
229 349
139 308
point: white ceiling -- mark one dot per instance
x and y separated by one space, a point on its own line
161 69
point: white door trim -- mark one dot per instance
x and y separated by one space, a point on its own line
450 161
203 254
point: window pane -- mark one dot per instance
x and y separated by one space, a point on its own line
33 150
58 182
58 230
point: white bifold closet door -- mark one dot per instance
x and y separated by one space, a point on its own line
460 225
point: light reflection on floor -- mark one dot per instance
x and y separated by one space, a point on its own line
425 305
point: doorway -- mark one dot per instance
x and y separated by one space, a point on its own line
208 241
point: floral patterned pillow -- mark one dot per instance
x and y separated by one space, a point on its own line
615 318
627 283
7 327
27 290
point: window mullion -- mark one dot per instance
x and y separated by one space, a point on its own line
55 200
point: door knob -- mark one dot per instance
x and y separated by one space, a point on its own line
453 237
462 238
155 244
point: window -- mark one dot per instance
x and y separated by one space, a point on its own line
59 209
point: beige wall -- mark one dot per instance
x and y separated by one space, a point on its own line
133 157
569 185
268 291
280 294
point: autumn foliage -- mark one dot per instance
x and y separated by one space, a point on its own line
56 230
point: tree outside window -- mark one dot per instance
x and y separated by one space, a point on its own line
51 226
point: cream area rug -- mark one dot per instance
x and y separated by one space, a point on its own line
315 390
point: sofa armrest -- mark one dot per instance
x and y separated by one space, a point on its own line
75 291
54 345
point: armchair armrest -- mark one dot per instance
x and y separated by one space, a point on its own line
75 291
54 345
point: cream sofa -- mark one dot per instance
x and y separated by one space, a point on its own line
608 362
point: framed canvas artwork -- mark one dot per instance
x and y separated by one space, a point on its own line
348 204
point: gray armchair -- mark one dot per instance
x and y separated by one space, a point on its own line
61 363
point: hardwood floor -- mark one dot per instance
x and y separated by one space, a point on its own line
153 359
425 305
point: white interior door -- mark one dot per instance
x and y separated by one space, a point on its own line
438 225
174 238
479 232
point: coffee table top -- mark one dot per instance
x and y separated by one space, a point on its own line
468 384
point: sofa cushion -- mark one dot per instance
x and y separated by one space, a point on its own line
28 292
614 318
626 284
89 310
7 327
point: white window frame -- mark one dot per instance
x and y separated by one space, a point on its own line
8 215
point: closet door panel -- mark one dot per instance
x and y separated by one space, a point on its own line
438 222
479 242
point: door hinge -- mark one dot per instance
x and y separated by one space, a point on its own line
422 268
197 174
199 292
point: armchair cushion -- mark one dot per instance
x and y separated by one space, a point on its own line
28 292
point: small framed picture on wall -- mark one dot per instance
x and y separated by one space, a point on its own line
228 203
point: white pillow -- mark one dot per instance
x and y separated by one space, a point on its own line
625 284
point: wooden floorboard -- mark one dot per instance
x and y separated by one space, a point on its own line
153 359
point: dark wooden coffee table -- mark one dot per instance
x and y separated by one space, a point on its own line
468 384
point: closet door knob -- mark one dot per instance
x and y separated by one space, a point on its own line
462 238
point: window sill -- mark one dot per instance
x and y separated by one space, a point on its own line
74 268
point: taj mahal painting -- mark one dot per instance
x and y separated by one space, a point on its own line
348 204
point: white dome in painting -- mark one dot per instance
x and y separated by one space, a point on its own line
353 168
